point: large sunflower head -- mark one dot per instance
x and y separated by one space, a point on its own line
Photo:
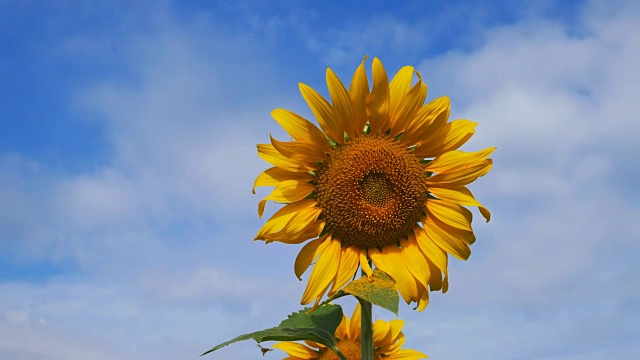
387 342
381 183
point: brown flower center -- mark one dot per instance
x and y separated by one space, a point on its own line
351 349
376 189
371 191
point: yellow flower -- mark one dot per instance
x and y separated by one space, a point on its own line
387 340
382 182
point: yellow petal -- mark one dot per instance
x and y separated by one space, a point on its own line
261 206
300 128
301 151
447 238
378 100
435 254
343 111
423 296
314 344
399 87
455 159
307 255
323 113
359 91
323 272
467 236
450 214
445 285
342 331
430 119
450 137
396 328
287 192
394 347
394 339
406 354
302 226
364 263
283 216
295 349
269 154
390 261
415 260
435 281
349 259
461 196
408 108
485 212
381 332
461 176
275 175
314 229
355 323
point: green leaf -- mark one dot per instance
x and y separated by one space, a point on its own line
326 317
380 290
319 325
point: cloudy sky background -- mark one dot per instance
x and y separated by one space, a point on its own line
127 156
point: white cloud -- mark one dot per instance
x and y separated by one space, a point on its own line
556 104
182 128
71 319
26 205
103 197
172 198
344 46
19 341
209 284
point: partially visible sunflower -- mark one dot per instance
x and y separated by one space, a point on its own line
382 182
387 340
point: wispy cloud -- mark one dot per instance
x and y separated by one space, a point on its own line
146 225
559 250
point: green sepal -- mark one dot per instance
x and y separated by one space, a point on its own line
319 326
347 138
379 290
332 143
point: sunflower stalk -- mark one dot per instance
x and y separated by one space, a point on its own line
366 329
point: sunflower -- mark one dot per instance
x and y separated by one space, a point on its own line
382 183
387 340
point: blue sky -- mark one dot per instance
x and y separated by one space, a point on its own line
127 155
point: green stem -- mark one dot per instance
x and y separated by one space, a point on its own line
366 329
